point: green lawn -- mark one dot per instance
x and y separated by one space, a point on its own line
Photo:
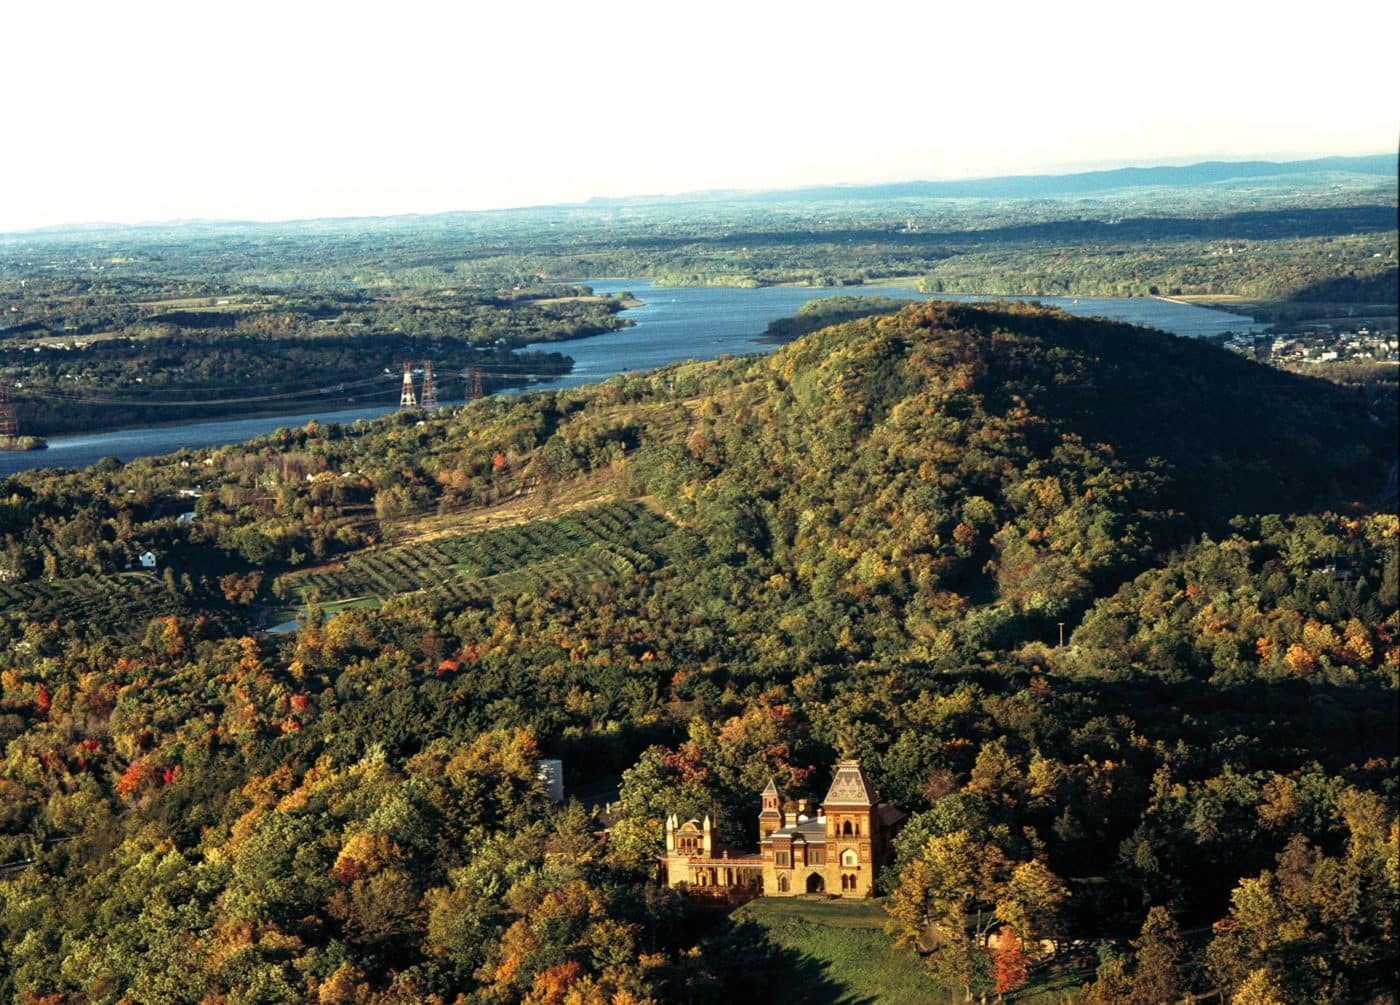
838 953
840 947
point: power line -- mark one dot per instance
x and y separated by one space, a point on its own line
71 397
471 374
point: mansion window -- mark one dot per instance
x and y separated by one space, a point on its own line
816 856
782 858
848 858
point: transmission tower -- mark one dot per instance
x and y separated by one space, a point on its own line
473 384
429 391
9 424
406 396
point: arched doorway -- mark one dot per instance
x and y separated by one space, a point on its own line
816 883
782 884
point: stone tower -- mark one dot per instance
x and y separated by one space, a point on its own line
852 830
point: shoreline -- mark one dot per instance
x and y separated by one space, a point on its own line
230 417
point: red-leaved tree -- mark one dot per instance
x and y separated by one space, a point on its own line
1010 968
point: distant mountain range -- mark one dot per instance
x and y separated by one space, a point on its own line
1037 186
1007 187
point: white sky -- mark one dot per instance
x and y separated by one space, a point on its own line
256 110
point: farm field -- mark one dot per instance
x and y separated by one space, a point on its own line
614 539
88 600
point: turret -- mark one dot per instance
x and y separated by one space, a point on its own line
770 817
707 842
671 834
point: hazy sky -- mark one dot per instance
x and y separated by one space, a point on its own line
205 108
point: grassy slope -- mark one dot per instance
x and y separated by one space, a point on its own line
843 944
840 947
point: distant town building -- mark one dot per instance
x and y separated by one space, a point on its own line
838 852
148 560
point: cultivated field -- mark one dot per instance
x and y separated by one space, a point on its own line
601 542
89 600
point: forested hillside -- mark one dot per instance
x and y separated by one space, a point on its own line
865 544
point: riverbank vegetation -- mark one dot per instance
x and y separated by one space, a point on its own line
819 314
864 544
22 443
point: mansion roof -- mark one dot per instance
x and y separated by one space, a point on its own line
812 831
849 787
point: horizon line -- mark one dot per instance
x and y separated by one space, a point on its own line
603 201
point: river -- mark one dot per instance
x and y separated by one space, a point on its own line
684 322
673 323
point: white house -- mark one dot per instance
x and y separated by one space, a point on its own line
550 773
148 560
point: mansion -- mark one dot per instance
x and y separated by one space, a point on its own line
839 851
